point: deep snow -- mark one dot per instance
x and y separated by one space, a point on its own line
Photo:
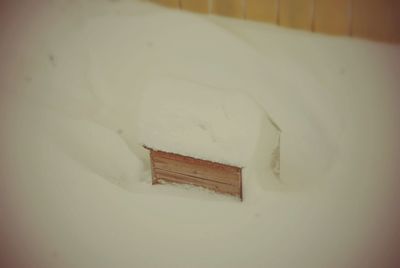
196 120
75 188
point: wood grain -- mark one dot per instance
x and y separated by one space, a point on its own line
296 14
200 6
188 164
372 19
262 10
193 169
167 176
230 8
176 168
377 19
333 16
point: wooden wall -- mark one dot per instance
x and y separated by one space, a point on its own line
372 19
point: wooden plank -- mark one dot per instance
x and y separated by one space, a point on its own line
167 3
177 168
195 167
262 10
296 14
191 159
395 14
332 16
230 8
193 179
200 6
194 170
376 19
184 179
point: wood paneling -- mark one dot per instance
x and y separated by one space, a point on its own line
176 168
200 6
167 176
373 19
296 13
332 16
262 10
377 19
168 3
195 167
395 34
231 8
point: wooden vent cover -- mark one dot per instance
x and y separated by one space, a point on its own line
175 168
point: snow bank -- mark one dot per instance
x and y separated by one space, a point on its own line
196 120
98 149
335 99
124 58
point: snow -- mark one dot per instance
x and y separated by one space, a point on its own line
192 119
75 188
99 150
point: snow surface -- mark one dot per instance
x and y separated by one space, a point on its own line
191 119
75 180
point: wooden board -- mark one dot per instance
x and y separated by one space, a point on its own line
296 14
174 168
200 6
262 10
372 19
333 16
377 19
230 8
